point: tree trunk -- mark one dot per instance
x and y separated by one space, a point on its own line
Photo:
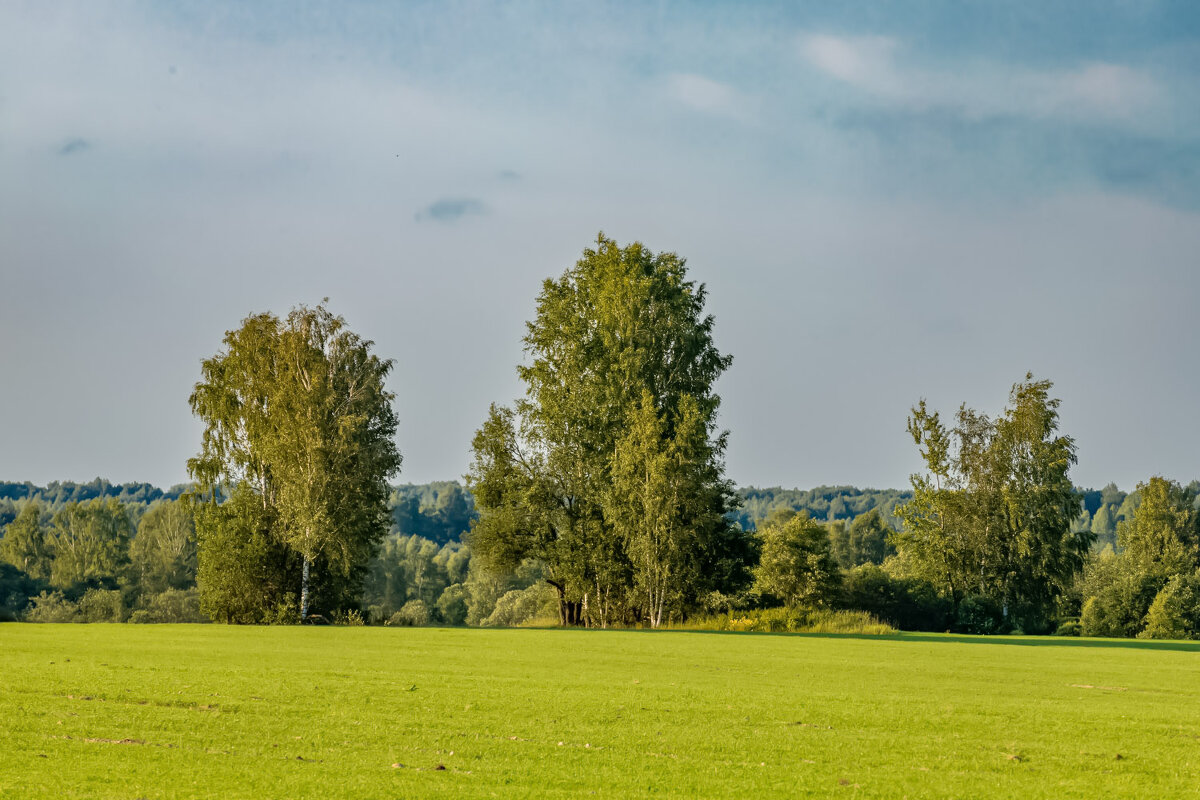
304 590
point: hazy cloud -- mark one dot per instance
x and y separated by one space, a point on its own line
704 94
72 146
452 209
878 67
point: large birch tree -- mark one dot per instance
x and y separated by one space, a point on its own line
297 416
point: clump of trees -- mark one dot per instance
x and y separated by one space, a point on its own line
597 498
609 471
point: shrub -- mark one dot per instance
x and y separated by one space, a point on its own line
978 614
793 620
452 604
907 603
536 603
414 614
53 607
1069 628
102 605
173 605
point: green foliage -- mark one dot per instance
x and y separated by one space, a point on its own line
992 515
170 605
537 603
441 511
295 411
621 326
53 607
25 544
1163 535
245 575
414 614
793 619
452 604
909 604
1175 612
163 553
796 566
827 503
16 590
89 541
865 541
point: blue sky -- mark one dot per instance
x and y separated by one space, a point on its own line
887 201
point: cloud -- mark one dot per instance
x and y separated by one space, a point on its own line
706 95
452 209
875 65
72 146
509 175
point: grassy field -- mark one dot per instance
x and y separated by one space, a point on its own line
126 711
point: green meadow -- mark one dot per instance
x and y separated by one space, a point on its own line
126 711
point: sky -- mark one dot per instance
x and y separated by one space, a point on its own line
887 202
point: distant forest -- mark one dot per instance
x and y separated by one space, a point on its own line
442 511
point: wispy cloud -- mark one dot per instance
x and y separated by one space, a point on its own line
878 67
706 95
452 209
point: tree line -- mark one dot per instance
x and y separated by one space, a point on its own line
598 497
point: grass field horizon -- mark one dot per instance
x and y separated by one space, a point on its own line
123 711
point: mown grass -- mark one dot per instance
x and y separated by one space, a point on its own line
122 711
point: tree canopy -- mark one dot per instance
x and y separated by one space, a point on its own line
613 455
298 419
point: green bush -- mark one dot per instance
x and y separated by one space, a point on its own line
414 614
172 605
536 603
1069 628
102 605
53 607
906 603
792 620
452 604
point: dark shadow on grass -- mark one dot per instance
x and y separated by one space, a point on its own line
1017 641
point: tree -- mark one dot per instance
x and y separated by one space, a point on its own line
992 515
1163 535
796 566
163 553
90 541
622 324
297 411
24 544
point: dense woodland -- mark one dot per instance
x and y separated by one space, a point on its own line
598 498
128 553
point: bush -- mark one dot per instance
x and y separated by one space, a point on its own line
1069 628
536 603
978 614
414 614
793 620
906 603
53 607
1175 612
452 604
173 605
102 605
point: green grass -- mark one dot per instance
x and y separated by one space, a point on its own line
127 711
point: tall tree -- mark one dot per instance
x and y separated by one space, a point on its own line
24 544
297 411
1163 535
621 322
992 516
